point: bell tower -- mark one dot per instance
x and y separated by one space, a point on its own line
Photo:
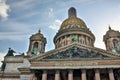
37 44
112 40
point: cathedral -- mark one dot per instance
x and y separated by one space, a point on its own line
74 56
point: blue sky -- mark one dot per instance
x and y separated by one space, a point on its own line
19 19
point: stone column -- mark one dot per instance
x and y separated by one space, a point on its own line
97 74
84 74
87 42
82 39
111 75
70 75
65 40
44 75
90 42
57 75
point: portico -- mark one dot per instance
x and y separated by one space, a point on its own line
76 74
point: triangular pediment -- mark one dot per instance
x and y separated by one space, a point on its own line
74 51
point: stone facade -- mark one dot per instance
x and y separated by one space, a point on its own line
74 56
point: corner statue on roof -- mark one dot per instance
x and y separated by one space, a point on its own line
74 57
10 52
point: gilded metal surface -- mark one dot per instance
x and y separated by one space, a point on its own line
73 21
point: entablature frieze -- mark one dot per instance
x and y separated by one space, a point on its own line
75 63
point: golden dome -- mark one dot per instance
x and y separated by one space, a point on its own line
73 20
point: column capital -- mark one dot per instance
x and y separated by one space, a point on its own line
97 74
83 74
57 75
44 75
111 74
110 70
70 75
83 70
44 71
97 70
70 70
57 71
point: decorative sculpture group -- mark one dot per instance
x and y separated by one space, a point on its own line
76 53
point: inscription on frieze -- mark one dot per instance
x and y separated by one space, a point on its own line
77 64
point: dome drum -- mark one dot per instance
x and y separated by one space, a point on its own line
79 32
70 38
66 38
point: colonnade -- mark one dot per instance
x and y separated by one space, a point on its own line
83 75
82 39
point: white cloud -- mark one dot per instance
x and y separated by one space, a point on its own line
1 57
12 36
56 25
23 4
16 31
85 2
4 9
50 13
17 26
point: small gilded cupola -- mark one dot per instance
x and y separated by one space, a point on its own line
73 29
37 44
112 40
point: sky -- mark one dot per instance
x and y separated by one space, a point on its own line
19 19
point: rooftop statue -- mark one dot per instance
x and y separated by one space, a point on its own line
74 38
10 52
35 51
118 48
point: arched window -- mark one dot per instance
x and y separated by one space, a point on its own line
35 48
115 42
35 45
